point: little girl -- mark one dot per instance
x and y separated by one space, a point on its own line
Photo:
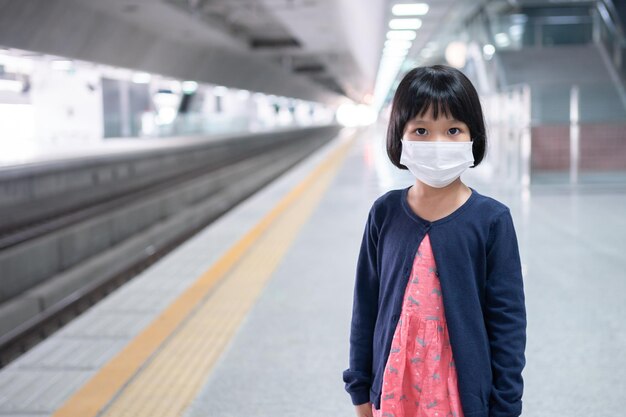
439 317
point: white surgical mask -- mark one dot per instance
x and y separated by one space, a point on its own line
436 163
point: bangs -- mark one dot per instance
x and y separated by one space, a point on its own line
438 95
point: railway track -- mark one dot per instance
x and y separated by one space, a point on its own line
275 160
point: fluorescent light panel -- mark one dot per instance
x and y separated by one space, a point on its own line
404 35
11 85
61 65
189 86
395 49
389 43
410 9
388 54
405 23
141 78
502 39
220 90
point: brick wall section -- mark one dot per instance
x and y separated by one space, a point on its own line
550 147
602 147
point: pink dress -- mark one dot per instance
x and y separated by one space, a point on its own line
420 377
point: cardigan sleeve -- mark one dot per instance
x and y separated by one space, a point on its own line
505 318
358 377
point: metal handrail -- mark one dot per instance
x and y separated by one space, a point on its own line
613 58
612 20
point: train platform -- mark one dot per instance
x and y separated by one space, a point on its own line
251 316
64 153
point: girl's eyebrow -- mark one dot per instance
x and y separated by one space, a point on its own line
429 121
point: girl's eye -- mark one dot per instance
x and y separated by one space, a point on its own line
420 130
455 128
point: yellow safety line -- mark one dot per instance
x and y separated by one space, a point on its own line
161 371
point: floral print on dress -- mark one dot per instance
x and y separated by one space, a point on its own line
420 377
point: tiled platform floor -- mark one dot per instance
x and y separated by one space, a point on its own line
287 356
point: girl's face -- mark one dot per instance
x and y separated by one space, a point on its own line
443 129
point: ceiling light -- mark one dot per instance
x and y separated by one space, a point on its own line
393 55
410 9
12 63
220 90
243 94
190 86
141 78
516 31
61 65
387 65
393 48
395 52
489 49
15 86
164 99
398 44
518 18
405 23
502 39
405 35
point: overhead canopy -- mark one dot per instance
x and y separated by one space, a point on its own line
317 50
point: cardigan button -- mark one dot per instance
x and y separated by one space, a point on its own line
394 317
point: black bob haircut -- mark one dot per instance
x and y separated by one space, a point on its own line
447 90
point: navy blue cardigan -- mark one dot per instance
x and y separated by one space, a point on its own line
478 264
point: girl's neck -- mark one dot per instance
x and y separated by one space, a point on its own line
432 203
425 193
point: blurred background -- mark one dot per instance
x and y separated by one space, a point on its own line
551 73
184 184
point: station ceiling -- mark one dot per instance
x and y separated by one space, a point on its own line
321 50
